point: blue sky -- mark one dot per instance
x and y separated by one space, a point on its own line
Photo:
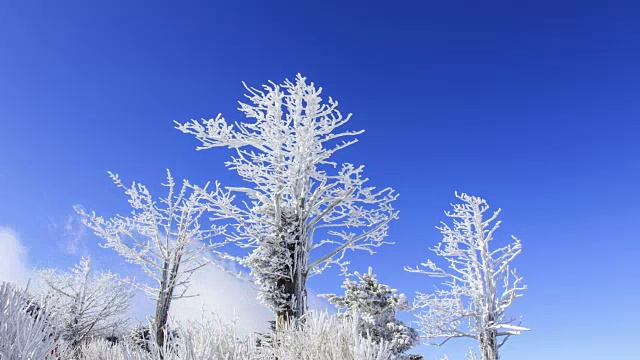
532 106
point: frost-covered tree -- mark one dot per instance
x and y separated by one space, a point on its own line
480 286
164 238
376 305
304 210
85 305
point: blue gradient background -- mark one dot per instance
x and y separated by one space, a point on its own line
532 105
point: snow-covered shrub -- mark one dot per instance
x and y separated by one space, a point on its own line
328 337
85 305
211 338
322 337
142 337
99 349
319 337
127 348
26 330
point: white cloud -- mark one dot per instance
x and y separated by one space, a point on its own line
228 297
141 308
72 236
13 267
317 303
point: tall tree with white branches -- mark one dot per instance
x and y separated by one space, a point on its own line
83 305
164 238
480 286
304 211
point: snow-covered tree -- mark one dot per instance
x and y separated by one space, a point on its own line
304 211
164 238
85 306
376 305
480 286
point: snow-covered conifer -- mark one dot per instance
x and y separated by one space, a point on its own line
304 211
480 286
376 305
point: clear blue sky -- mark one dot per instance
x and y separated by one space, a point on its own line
530 104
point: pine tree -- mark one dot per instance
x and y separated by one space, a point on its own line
376 305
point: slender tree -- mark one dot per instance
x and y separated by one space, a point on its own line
85 306
375 305
480 286
304 211
165 239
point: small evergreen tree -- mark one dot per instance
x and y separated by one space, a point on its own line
376 305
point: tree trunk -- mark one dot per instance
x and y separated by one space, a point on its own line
162 311
295 286
164 298
489 345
